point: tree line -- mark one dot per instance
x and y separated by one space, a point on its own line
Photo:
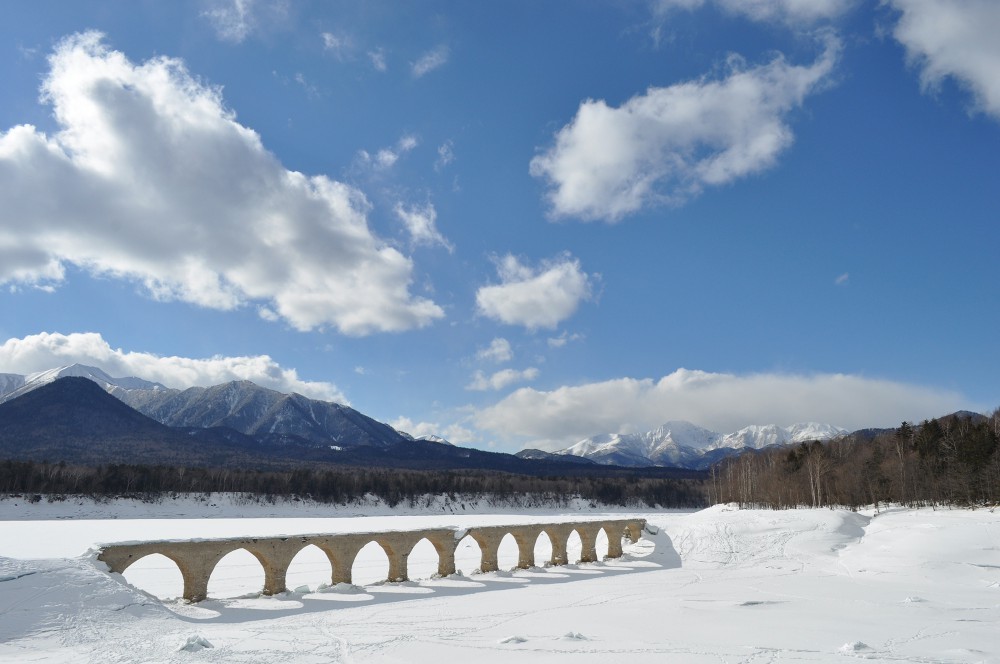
342 485
948 461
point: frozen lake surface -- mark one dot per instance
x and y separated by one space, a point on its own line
717 585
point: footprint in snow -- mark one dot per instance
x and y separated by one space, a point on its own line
574 636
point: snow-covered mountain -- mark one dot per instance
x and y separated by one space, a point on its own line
14 385
267 415
673 444
9 383
430 438
687 445
760 436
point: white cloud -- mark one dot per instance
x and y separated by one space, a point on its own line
339 45
667 145
377 58
430 61
150 178
446 155
954 38
311 90
842 279
498 351
386 158
420 224
535 298
453 433
800 13
236 20
40 352
721 402
563 339
501 379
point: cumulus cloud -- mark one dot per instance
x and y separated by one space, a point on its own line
151 178
717 401
40 352
498 351
668 144
420 222
501 379
800 13
539 297
430 61
453 433
958 39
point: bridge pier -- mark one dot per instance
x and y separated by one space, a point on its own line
588 540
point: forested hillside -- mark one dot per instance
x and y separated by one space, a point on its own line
949 461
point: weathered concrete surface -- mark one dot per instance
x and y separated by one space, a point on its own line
197 559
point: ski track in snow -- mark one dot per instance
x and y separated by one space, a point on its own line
719 585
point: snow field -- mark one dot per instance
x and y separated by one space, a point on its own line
719 585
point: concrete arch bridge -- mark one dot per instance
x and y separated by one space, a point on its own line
197 559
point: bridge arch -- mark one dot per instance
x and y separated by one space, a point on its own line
574 547
239 572
156 574
508 552
423 560
601 544
543 549
370 564
468 555
310 566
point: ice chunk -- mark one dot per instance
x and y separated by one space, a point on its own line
513 639
855 646
194 643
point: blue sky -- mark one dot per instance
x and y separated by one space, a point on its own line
513 223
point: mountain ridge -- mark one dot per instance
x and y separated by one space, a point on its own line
74 420
262 413
682 444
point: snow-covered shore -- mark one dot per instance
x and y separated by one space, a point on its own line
714 585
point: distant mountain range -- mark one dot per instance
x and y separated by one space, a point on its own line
250 419
80 414
267 416
685 445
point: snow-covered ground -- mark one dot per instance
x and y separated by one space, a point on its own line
717 585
